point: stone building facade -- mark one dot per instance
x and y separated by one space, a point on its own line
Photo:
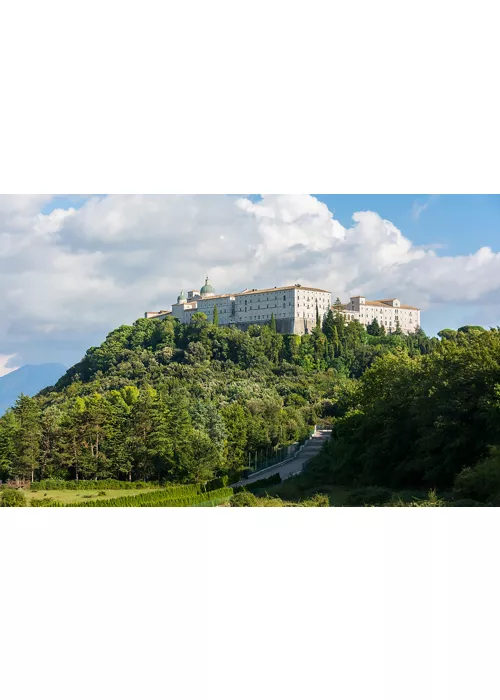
388 312
294 308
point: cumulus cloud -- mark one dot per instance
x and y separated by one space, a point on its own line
70 276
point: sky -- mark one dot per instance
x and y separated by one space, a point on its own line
74 267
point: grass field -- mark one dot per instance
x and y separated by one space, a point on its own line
69 496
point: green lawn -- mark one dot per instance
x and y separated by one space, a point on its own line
69 496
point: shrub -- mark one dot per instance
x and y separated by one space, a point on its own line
101 493
46 503
432 501
172 497
90 485
270 502
219 483
482 482
369 496
319 500
13 498
465 503
244 499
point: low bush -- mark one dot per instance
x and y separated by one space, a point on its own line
369 496
172 497
482 482
90 485
244 499
465 503
319 500
13 498
219 483
46 503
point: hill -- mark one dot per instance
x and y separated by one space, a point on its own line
161 401
29 380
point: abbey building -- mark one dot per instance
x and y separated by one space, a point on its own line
390 313
294 307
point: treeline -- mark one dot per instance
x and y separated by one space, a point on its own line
172 403
423 422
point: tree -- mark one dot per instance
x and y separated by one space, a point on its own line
216 316
329 325
8 428
447 334
27 438
375 329
318 319
398 330
199 316
273 323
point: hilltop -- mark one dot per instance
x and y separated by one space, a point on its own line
187 403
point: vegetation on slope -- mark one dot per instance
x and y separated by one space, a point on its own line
167 402
160 401
422 422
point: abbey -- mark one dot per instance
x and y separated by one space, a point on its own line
294 307
390 313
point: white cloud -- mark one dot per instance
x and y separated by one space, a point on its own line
69 277
4 360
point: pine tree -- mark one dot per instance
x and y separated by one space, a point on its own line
273 324
318 320
329 325
374 328
27 439
8 427
216 316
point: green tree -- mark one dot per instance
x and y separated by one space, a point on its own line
27 438
329 327
273 323
216 316
8 429
374 328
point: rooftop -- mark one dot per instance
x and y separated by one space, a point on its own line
385 302
280 289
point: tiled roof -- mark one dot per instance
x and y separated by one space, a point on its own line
384 303
280 289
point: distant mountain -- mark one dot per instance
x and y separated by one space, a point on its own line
29 380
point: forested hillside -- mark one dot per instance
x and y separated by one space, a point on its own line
172 403
422 422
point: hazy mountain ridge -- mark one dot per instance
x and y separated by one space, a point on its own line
29 380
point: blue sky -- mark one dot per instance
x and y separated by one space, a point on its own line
460 223
67 279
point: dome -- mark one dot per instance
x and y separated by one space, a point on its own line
207 288
181 298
